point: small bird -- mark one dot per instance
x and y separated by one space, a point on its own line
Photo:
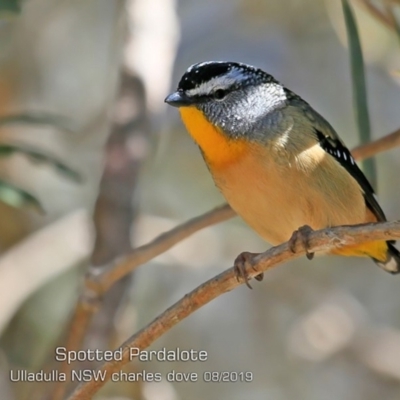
279 164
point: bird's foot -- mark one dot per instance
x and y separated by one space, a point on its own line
242 261
302 235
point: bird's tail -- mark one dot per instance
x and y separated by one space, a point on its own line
392 262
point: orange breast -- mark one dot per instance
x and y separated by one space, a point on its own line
218 149
262 195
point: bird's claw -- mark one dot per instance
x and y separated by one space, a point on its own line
302 234
241 262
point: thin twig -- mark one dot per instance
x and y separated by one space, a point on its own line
76 331
323 240
378 146
389 7
378 14
161 244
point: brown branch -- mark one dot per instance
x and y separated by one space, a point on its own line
378 14
76 331
378 146
98 282
160 245
323 240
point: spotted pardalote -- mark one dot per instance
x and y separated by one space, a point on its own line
279 164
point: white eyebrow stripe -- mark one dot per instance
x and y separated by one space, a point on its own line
235 75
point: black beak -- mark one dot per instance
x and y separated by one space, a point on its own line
178 99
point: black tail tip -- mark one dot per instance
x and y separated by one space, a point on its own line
392 262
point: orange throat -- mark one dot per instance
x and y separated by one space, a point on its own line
219 150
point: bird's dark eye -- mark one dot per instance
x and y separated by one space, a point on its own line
219 94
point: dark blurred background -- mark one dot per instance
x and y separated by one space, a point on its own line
93 163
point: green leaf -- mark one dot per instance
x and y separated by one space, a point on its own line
30 118
359 88
11 6
18 198
39 156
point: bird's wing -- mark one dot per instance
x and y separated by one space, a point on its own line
329 140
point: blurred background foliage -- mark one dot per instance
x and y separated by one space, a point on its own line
11 6
84 132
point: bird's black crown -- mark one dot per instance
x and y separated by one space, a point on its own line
205 71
